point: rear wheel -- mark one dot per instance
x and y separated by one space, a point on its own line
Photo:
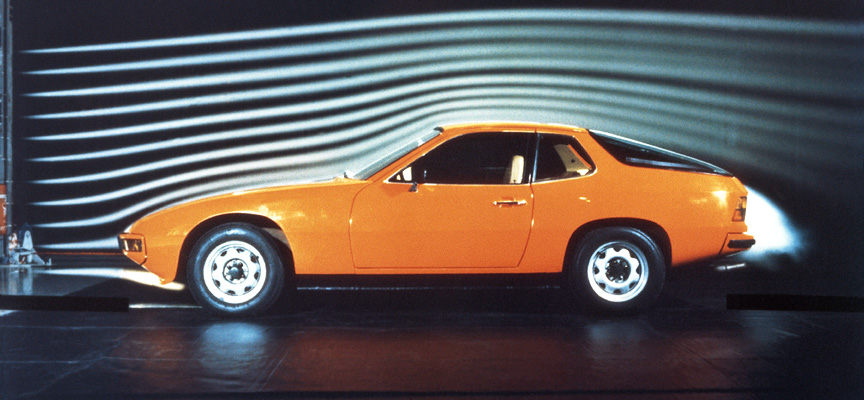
235 270
616 270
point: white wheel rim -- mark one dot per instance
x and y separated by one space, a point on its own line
617 271
235 272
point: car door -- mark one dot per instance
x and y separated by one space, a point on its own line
467 203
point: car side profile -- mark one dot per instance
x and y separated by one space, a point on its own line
609 214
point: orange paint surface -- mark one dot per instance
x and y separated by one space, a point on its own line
377 226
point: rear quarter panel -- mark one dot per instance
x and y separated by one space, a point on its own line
694 209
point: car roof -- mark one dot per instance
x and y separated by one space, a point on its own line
505 126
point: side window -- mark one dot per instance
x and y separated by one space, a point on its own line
474 159
561 157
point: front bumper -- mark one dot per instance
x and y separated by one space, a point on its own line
736 243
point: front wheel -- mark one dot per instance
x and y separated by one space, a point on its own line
234 270
616 270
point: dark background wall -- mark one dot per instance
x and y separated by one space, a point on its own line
189 98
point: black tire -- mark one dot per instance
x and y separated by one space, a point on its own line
234 270
617 270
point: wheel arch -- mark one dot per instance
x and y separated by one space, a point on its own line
653 230
267 225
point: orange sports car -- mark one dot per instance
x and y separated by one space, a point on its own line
608 214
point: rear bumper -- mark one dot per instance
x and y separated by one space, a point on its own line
736 243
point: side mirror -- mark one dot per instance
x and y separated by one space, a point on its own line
408 175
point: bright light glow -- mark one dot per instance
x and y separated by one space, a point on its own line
142 277
775 233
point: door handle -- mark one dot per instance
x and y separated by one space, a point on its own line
510 203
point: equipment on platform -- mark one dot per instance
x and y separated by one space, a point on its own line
19 244
21 251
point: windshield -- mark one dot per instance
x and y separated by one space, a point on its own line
382 162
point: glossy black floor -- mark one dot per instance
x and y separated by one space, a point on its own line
430 343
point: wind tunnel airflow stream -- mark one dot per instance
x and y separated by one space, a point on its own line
185 117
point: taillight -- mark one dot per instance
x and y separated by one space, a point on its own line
740 210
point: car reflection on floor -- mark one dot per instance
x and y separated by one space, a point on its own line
451 342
